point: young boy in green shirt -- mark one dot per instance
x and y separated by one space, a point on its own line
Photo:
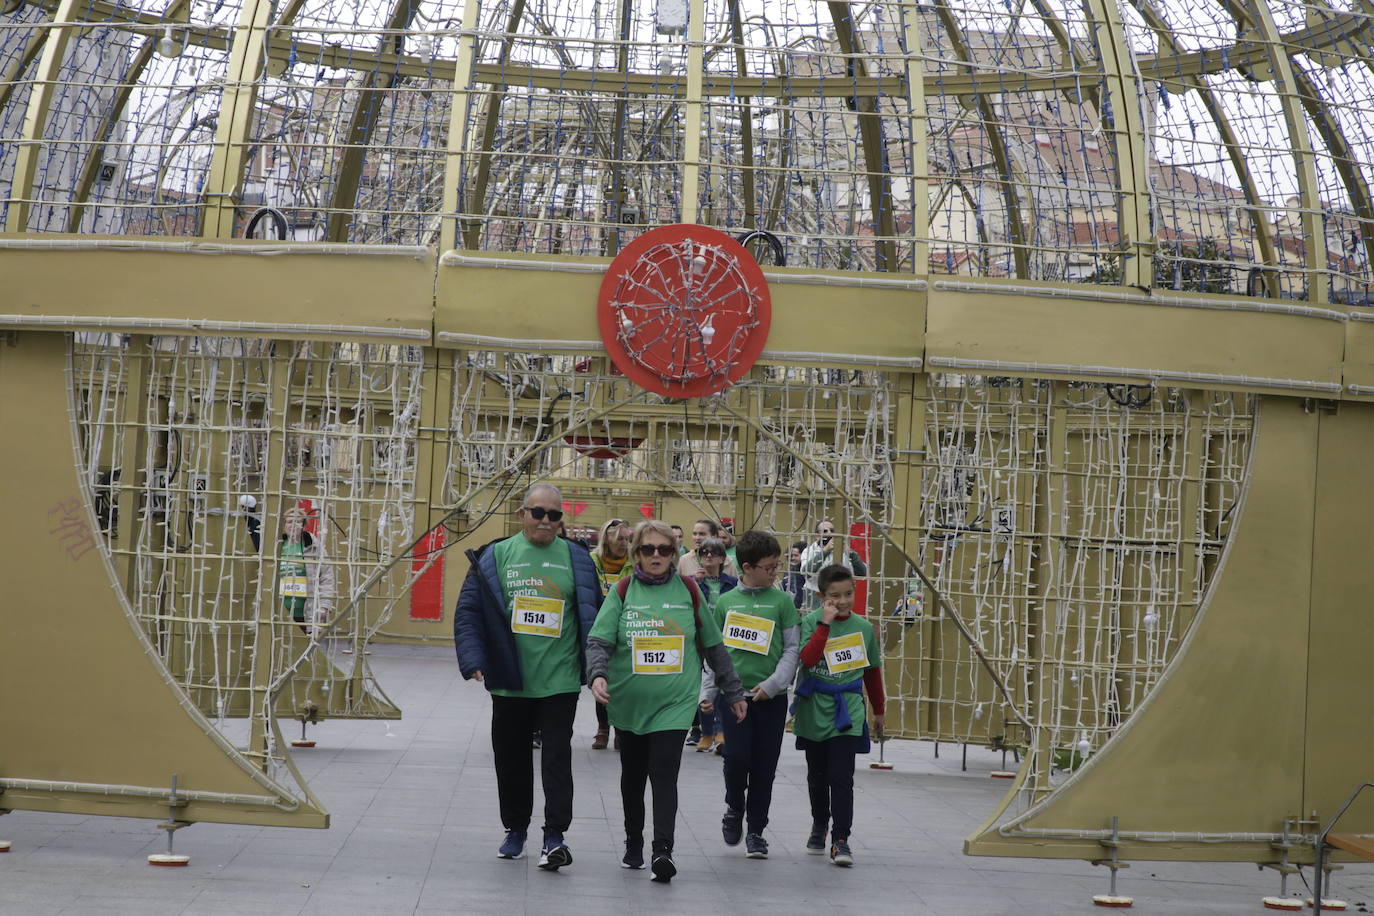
840 661
761 631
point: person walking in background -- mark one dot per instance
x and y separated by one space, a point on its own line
703 528
821 553
713 583
520 628
612 559
643 659
794 583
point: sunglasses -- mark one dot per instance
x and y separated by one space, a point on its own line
663 550
539 513
710 553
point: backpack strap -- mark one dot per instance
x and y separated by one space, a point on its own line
622 588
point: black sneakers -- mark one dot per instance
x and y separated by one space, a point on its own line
634 855
815 843
663 868
756 847
732 826
554 855
840 854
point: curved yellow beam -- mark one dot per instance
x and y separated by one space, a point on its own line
246 58
1124 125
147 729
36 116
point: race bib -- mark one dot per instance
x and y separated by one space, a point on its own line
293 587
537 616
747 632
846 653
656 654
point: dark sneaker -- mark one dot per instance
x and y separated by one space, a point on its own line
840 854
514 845
815 843
663 868
732 826
634 855
693 736
756 847
555 854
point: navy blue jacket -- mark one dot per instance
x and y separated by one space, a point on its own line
481 626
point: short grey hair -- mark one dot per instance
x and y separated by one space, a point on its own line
535 488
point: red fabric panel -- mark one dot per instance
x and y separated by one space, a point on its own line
427 594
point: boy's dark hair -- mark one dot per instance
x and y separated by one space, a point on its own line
753 547
799 545
830 575
711 524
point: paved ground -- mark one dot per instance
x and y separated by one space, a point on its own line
415 831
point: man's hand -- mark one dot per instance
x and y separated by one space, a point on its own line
477 675
741 709
599 692
760 695
707 706
700 575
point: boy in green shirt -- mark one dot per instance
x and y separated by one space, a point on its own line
840 661
761 632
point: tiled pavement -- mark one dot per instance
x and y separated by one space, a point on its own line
415 829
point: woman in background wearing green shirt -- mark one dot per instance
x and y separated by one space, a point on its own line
611 557
644 659
840 661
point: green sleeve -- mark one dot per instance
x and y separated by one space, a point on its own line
710 630
788 615
607 626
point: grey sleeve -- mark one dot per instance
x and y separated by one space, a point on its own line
780 680
726 678
598 658
708 684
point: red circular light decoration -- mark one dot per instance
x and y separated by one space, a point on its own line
684 311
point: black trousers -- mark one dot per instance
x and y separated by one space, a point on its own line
513 723
751 758
830 780
656 758
602 717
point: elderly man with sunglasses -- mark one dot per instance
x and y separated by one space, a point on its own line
521 628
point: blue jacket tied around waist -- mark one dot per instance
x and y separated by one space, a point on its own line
810 685
481 626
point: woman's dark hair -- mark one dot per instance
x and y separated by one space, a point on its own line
711 525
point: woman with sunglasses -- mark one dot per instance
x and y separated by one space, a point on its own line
611 556
644 657
714 583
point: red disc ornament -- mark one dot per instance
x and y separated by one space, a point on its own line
684 311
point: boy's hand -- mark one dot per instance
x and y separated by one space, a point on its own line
829 611
760 695
707 706
879 727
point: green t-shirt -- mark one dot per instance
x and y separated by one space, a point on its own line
851 643
292 579
655 667
751 627
710 590
541 606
